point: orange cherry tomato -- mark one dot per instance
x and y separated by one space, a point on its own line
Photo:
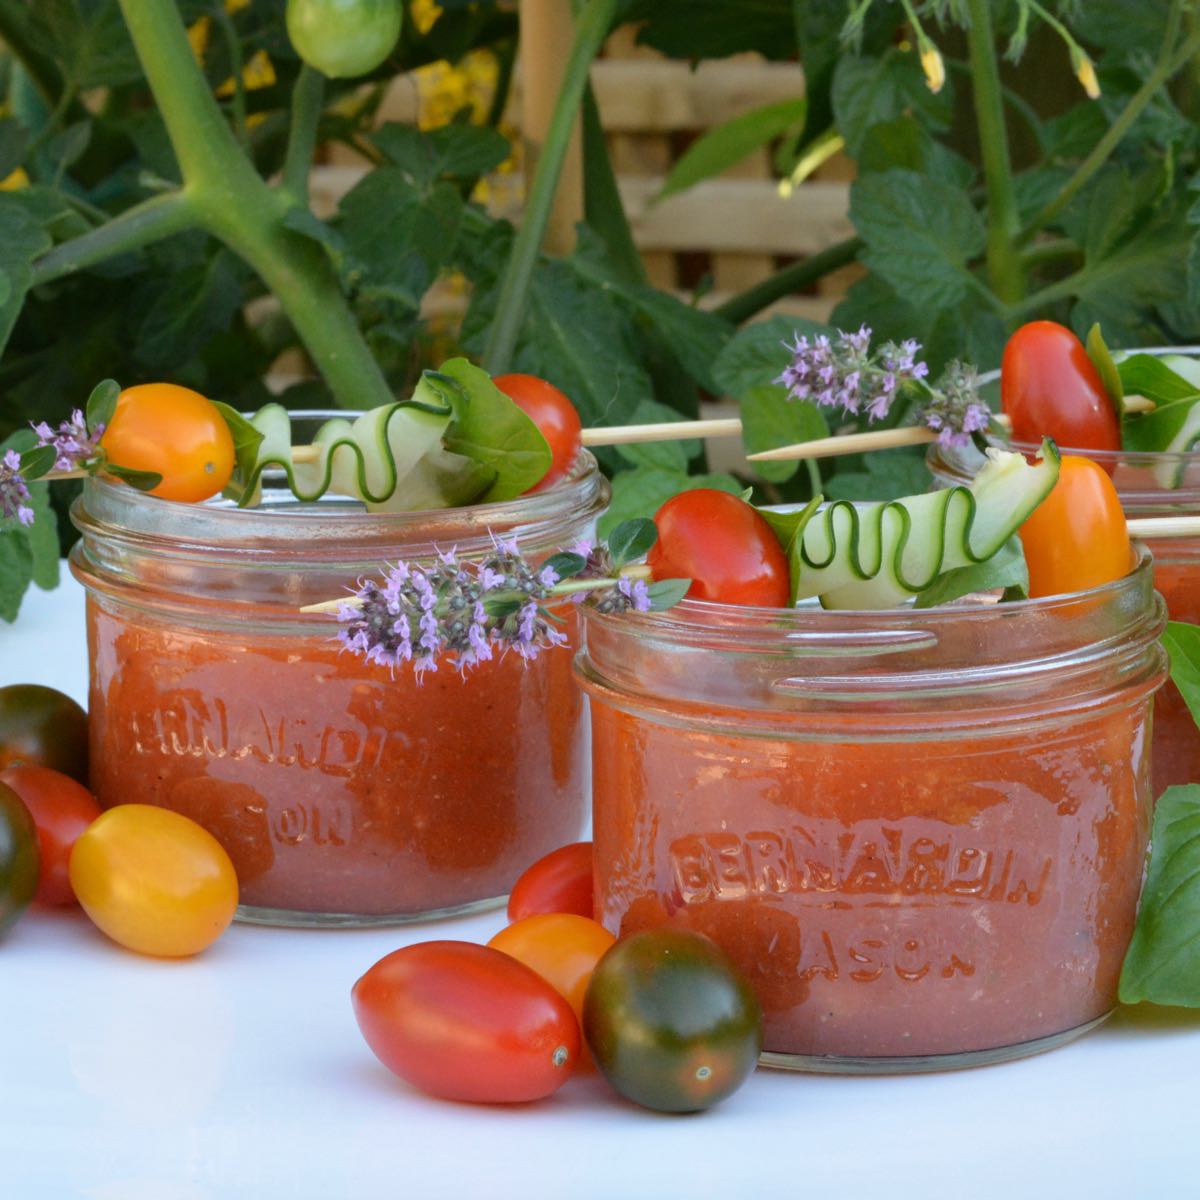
560 882
465 1022
154 881
61 809
174 432
561 947
1077 537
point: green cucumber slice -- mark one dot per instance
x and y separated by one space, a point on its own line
869 556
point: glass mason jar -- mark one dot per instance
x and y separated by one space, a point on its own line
920 833
1150 485
346 794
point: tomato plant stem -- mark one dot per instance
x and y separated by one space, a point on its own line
793 278
591 28
1003 264
233 203
1169 61
307 96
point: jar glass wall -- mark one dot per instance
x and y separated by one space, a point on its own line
920 833
345 793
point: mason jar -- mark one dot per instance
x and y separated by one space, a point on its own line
920 833
346 793
1163 484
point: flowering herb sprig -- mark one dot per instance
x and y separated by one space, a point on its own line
846 374
471 612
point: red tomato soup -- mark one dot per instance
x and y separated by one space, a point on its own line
920 834
344 793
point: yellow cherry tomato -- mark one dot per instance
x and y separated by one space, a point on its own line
174 432
1076 538
153 880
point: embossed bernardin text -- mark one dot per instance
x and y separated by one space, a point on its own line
885 862
181 726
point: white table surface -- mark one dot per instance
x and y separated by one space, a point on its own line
241 1073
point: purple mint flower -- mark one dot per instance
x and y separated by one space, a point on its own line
13 492
954 410
75 446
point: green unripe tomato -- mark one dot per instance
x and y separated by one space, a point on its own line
670 1022
18 857
344 38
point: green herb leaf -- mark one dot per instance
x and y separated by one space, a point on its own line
1102 360
644 490
770 419
631 539
1173 424
1182 643
729 143
16 571
666 593
101 404
756 355
36 462
246 439
489 428
22 239
788 526
890 474
565 564
142 480
1005 571
1162 964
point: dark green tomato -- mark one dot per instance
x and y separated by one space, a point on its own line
18 857
670 1022
344 38
43 728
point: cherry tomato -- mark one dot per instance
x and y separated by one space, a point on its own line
154 881
552 413
670 1022
1050 388
18 857
723 546
1077 537
465 1022
561 882
174 432
562 948
344 38
41 726
61 809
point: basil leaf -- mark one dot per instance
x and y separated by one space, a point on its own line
1162 964
1102 360
489 428
1005 570
631 539
1182 643
101 404
787 526
246 439
666 593
142 480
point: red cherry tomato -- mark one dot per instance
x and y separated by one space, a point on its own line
465 1022
723 546
1077 537
561 882
61 809
1050 388
174 432
552 413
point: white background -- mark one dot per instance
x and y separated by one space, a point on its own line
241 1073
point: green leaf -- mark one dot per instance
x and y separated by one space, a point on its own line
1182 643
757 354
890 474
922 236
1102 360
1005 571
873 91
643 491
89 40
246 439
16 570
694 29
729 143
1150 375
42 537
454 151
22 240
770 419
631 539
101 404
907 144
1162 964
142 480
492 430
565 564
13 141
787 525
667 455
37 461
666 593
1171 425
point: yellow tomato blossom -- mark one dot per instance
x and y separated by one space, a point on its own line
15 182
1085 72
932 65
424 13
